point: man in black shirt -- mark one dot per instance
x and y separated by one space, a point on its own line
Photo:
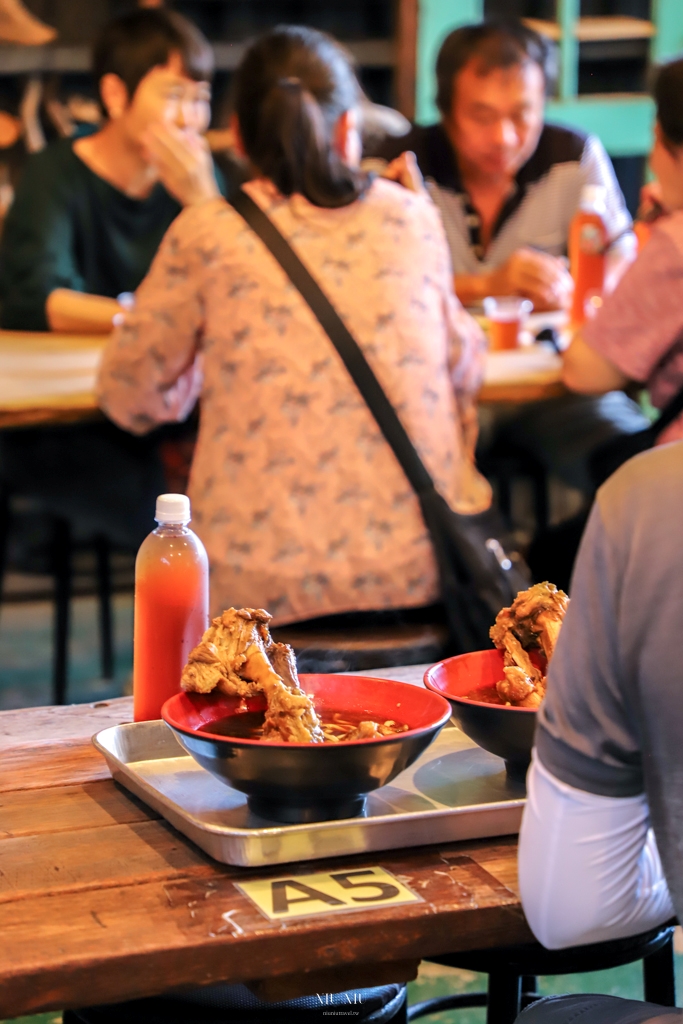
89 214
86 223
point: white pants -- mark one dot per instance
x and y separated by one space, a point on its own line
589 868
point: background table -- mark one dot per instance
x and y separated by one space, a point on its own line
47 378
528 374
100 900
50 378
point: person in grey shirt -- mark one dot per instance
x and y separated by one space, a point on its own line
602 834
507 185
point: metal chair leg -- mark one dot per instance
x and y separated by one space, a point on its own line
102 553
659 979
541 503
505 997
529 990
4 534
61 561
401 1015
505 495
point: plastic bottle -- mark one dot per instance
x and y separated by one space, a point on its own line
588 240
171 605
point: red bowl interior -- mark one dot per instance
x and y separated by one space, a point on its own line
455 677
378 699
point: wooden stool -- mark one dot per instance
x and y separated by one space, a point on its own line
360 648
513 971
61 551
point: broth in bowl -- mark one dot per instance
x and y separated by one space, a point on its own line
303 781
337 726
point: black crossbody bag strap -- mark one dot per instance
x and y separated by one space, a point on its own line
671 411
344 342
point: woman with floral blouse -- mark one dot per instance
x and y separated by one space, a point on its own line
298 498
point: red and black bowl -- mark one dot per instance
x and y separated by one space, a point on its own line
304 782
499 728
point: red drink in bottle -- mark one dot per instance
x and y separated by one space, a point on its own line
588 243
171 605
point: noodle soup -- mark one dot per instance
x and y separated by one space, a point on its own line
337 726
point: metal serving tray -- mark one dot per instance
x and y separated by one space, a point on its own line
454 791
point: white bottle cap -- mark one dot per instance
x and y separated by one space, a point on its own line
593 198
173 508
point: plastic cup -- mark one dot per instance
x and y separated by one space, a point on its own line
506 316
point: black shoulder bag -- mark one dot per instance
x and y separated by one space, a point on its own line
608 456
477 576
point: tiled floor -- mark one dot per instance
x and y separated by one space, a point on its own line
26 652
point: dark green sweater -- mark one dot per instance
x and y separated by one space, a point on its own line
68 228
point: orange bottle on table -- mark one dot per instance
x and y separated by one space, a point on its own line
588 241
642 230
171 605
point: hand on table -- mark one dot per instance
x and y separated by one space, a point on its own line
405 171
535 275
183 162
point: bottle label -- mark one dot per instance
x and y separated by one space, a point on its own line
591 240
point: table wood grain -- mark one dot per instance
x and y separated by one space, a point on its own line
520 392
48 377
20 408
102 901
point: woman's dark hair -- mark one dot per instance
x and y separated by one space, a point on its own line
668 94
134 44
289 92
493 44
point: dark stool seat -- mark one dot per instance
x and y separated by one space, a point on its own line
235 1004
360 648
513 971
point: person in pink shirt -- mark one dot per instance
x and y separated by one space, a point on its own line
296 495
637 335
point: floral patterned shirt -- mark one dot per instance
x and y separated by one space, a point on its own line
299 500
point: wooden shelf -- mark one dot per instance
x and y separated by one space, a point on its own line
593 30
18 60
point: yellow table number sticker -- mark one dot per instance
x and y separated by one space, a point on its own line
322 893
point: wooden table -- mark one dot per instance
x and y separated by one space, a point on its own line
528 374
50 378
102 901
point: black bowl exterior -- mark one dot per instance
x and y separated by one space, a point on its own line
502 731
296 784
505 731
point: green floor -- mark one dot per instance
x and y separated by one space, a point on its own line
26 652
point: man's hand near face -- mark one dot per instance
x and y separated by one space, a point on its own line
183 162
532 274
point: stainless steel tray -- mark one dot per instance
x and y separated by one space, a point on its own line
454 791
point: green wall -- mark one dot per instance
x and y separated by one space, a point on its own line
622 122
436 19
